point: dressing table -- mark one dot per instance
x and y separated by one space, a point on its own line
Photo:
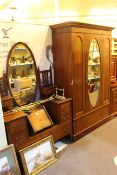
22 83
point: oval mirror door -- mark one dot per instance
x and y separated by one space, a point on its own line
93 72
21 72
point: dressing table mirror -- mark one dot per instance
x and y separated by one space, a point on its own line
21 74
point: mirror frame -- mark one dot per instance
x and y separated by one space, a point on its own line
7 71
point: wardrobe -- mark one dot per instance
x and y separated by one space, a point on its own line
81 57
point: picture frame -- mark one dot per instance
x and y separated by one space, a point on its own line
39 118
8 161
38 156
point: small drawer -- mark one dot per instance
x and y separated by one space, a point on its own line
59 131
66 129
114 89
16 125
114 101
114 94
8 104
65 116
65 107
18 138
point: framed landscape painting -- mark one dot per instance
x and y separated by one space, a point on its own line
38 156
8 161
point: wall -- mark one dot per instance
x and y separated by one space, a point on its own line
36 36
3 141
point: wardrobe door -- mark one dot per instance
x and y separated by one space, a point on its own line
96 71
78 74
106 47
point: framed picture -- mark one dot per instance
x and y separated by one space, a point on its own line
39 119
38 156
8 161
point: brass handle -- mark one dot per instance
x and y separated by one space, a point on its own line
66 117
66 129
16 138
71 84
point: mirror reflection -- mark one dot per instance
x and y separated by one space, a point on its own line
93 72
21 73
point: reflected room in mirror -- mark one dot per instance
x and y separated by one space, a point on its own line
21 73
93 72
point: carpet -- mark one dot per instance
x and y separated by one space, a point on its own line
94 154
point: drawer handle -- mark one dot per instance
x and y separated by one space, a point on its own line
20 137
14 126
20 125
66 117
16 138
66 129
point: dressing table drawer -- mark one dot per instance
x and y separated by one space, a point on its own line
61 130
7 102
60 110
19 138
16 127
65 116
66 128
65 107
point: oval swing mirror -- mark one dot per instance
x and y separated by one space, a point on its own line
21 72
93 72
